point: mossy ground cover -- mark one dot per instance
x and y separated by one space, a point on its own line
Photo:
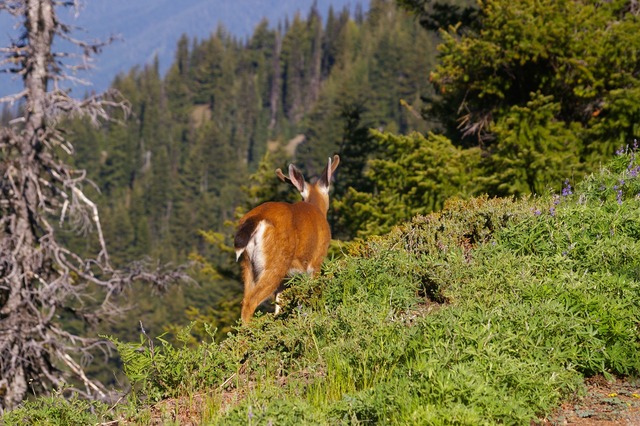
492 311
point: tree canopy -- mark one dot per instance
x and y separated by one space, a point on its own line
548 86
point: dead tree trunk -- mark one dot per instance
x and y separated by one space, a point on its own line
39 277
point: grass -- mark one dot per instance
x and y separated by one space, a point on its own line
56 410
491 311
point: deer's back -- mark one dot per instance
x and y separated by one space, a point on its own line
296 231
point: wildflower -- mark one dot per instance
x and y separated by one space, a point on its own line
621 151
566 191
537 212
552 211
618 189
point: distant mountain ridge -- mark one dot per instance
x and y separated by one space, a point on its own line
150 28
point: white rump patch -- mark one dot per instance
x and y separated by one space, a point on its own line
254 248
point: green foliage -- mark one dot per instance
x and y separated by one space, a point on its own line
540 83
533 152
415 175
434 14
379 82
55 410
489 312
525 92
157 372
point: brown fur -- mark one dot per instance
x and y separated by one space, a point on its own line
295 238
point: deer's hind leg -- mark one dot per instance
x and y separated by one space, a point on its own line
267 284
248 275
270 263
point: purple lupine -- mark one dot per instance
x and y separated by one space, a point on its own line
566 190
618 190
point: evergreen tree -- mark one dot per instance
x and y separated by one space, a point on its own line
442 14
416 175
295 55
573 61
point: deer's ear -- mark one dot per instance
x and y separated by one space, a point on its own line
327 173
282 177
334 163
297 179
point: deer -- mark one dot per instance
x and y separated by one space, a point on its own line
277 239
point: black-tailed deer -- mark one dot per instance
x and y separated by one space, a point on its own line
277 238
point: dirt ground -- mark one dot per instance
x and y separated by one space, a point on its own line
607 403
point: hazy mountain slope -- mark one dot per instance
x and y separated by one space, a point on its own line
152 27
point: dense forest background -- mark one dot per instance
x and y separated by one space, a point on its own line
202 143
423 101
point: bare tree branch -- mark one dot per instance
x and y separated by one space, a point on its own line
40 278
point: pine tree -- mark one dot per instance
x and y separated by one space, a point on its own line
416 175
555 56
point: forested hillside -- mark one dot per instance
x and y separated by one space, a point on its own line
300 91
508 106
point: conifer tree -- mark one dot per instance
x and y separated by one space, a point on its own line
541 82
416 175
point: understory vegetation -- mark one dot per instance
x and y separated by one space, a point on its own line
491 311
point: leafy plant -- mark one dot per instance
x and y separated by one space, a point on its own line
159 371
491 311
55 410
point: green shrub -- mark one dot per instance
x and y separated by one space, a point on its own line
157 372
491 311
55 410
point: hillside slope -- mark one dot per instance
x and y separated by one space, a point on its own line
493 311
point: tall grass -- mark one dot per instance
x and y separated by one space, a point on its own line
492 311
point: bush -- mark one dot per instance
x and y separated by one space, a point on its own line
55 410
491 311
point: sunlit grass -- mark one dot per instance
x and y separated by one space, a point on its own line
492 311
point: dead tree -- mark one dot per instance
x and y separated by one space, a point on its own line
40 279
